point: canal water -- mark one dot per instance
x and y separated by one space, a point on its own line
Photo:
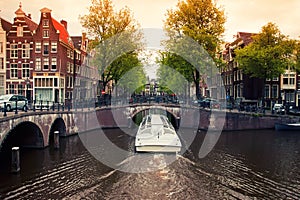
243 165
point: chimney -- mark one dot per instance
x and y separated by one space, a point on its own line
29 15
65 23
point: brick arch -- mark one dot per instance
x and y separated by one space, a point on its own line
24 134
58 125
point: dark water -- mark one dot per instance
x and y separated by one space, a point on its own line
243 165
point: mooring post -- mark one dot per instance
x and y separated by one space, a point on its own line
15 160
56 139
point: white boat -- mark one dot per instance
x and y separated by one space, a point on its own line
156 134
287 127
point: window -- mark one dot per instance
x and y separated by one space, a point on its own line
20 89
46 48
38 47
68 53
20 31
25 70
285 81
274 91
54 47
1 80
13 70
68 67
13 51
71 68
55 82
1 63
53 63
292 81
38 64
11 89
1 47
267 91
46 63
46 23
46 33
25 50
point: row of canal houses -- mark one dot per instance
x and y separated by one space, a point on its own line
41 61
239 86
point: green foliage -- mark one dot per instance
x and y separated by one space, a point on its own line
173 73
268 55
199 19
202 22
116 40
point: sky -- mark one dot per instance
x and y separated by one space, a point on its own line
242 15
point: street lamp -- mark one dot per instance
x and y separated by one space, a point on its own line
94 90
27 82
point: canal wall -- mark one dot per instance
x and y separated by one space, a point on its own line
191 118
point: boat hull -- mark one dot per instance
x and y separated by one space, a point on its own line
156 134
287 127
156 148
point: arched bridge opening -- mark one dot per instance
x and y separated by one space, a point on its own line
58 125
24 135
137 117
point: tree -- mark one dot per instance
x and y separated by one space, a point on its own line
268 55
200 20
115 38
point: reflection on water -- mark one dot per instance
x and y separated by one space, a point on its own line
244 165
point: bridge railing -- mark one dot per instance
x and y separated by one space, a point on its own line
80 104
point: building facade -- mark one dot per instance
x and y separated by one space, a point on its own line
282 89
19 55
4 28
41 61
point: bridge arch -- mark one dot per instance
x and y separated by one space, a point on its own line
25 135
57 125
138 113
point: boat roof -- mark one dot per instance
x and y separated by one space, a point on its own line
156 119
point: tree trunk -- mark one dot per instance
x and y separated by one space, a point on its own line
197 87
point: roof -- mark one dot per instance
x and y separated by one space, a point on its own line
5 25
77 40
63 33
246 37
31 24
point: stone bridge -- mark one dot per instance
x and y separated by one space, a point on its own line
36 129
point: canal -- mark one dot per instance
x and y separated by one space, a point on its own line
260 164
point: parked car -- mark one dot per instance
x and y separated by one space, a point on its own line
11 99
293 111
278 108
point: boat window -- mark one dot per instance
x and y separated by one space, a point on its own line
165 122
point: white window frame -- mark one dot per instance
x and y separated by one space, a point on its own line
38 64
38 47
14 50
26 50
25 70
13 70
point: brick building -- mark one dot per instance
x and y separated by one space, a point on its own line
4 28
42 59
20 57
